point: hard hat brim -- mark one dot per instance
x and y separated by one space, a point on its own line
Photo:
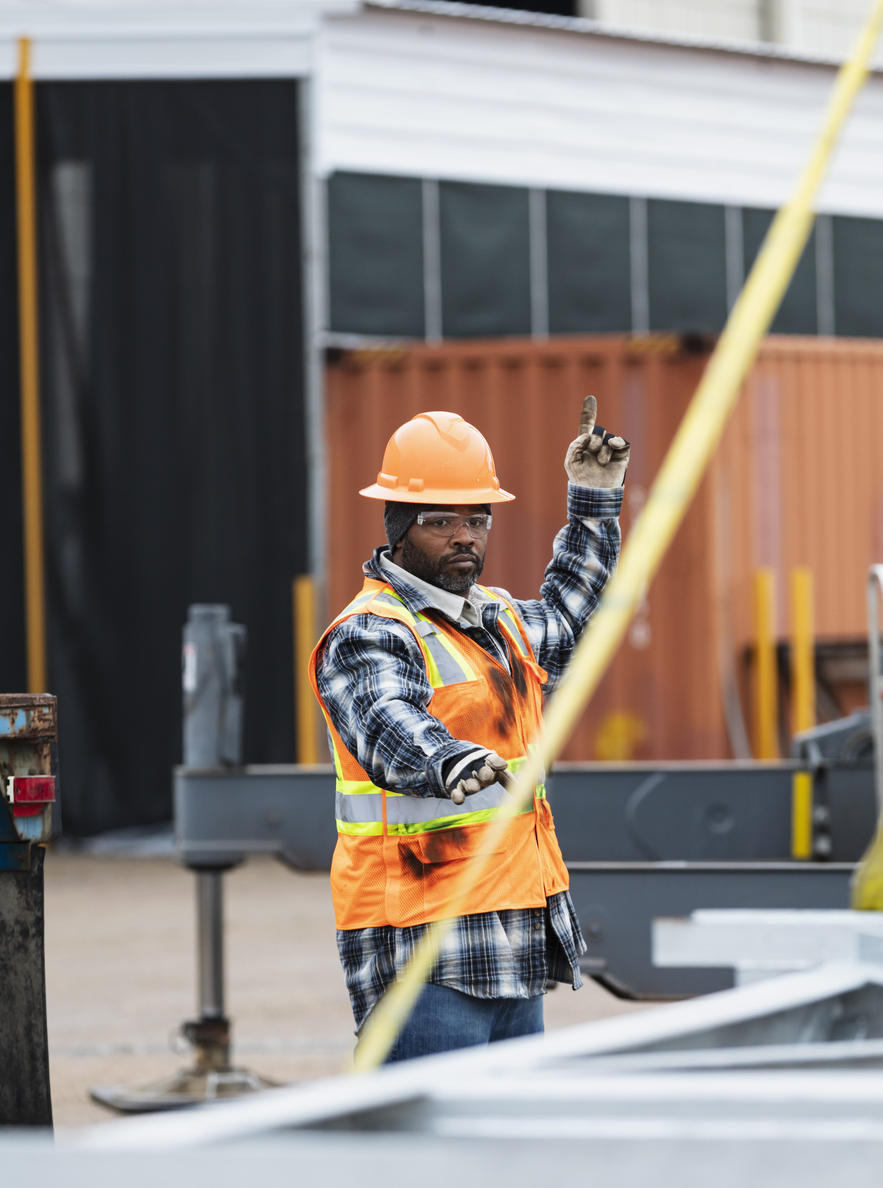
446 497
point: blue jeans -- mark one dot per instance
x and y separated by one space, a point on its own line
444 1019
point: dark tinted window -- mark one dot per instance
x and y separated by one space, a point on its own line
687 266
588 263
485 260
858 277
375 254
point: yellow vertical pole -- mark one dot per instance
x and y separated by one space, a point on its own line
765 678
31 463
803 697
801 814
803 682
303 601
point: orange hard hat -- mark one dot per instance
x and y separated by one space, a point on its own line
437 457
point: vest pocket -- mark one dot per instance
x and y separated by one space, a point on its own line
447 845
433 869
555 874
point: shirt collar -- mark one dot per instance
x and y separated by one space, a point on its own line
466 611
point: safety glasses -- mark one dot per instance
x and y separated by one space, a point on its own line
444 525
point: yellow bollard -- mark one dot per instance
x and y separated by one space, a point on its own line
303 605
803 704
801 815
867 881
766 710
803 680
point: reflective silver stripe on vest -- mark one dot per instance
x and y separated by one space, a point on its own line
449 670
357 809
391 600
416 810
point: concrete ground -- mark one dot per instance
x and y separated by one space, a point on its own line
120 975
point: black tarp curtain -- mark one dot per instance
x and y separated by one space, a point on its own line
173 423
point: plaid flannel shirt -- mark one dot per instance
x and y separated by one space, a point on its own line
373 681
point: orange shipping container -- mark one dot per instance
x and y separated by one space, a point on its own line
794 482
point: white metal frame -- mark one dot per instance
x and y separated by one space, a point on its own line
552 1067
761 944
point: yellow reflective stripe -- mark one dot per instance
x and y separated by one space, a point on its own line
511 629
386 597
356 603
390 598
446 663
469 673
356 787
480 817
360 828
432 673
460 820
515 765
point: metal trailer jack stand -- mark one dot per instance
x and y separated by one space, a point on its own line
29 817
212 656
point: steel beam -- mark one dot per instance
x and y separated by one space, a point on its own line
617 902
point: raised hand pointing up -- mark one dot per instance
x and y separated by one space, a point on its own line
596 458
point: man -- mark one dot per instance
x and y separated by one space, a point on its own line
432 688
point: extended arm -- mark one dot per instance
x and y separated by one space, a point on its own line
585 550
373 681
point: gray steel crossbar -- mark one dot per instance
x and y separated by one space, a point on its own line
641 841
617 902
603 812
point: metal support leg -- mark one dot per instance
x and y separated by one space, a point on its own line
210 938
210 1033
211 1076
211 660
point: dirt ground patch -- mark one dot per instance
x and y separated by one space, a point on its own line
121 976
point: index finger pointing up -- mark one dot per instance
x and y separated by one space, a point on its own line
588 416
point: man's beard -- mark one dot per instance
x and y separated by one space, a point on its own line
417 562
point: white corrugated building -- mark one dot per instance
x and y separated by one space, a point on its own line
826 26
597 137
637 174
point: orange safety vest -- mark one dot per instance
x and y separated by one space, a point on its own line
399 858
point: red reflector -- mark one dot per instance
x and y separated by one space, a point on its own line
30 794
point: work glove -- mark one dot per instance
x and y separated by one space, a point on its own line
596 458
486 770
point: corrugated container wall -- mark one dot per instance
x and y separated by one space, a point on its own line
793 483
